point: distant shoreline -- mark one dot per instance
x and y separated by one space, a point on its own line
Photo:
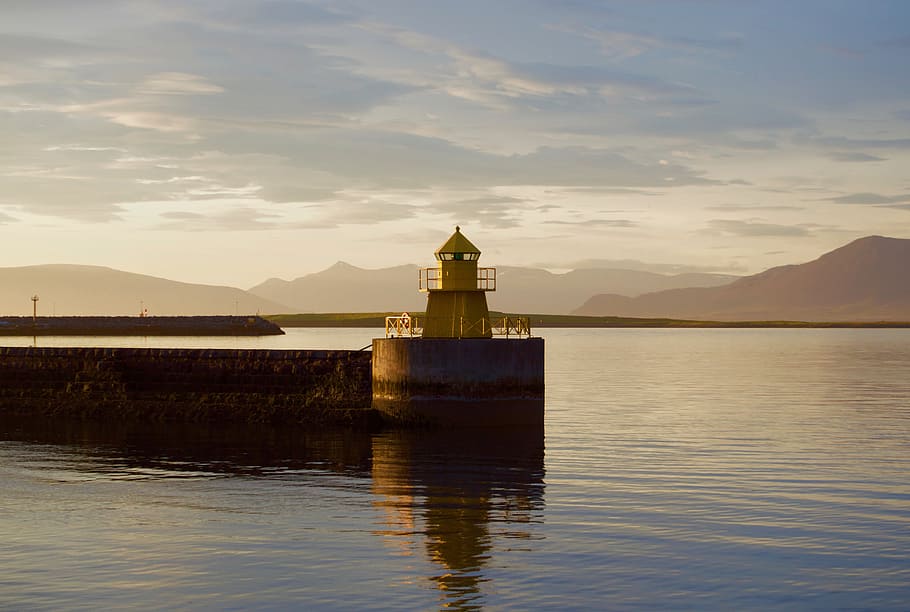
377 320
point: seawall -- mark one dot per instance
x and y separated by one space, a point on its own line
187 385
214 325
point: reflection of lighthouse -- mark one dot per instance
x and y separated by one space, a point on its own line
443 492
447 366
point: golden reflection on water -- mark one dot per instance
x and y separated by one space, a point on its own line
442 491
693 469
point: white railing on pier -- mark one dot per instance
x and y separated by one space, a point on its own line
405 326
410 326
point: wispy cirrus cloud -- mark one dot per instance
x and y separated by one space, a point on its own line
757 229
317 115
487 211
354 210
854 156
616 43
232 219
868 198
754 207
7 219
177 83
594 223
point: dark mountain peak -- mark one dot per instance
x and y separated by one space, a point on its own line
863 280
870 246
339 266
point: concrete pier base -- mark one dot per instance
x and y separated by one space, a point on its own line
466 382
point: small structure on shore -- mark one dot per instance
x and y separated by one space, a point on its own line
447 367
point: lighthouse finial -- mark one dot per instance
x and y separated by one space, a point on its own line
457 229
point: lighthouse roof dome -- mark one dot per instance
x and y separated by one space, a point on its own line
457 243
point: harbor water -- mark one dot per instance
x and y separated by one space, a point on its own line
678 469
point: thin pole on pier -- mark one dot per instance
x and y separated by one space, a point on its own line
35 309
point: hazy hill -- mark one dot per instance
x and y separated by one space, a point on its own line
346 288
866 280
540 291
95 290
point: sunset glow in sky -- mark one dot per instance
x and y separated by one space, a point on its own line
226 142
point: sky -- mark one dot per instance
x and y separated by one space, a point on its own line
227 142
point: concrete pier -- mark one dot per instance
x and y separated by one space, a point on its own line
187 385
467 381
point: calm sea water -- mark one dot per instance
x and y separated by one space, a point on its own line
679 469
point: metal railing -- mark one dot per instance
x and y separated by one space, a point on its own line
486 279
506 326
405 326
409 326
513 326
429 279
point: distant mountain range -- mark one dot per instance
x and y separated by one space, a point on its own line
346 288
866 280
93 290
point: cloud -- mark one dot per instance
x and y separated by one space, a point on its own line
487 211
594 222
735 207
754 229
848 156
497 83
5 218
875 199
623 44
177 83
277 14
354 211
388 160
306 113
161 122
347 209
232 219
88 168
46 51
842 142
898 42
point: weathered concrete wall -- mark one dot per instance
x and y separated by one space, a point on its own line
469 381
191 385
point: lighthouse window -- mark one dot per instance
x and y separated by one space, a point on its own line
457 256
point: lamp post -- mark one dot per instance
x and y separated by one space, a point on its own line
35 309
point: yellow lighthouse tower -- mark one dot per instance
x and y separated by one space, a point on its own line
456 292
446 367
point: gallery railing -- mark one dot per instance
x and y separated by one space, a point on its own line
430 279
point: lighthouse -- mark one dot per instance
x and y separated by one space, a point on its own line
455 364
456 292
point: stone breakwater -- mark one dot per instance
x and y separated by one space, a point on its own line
188 385
139 326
